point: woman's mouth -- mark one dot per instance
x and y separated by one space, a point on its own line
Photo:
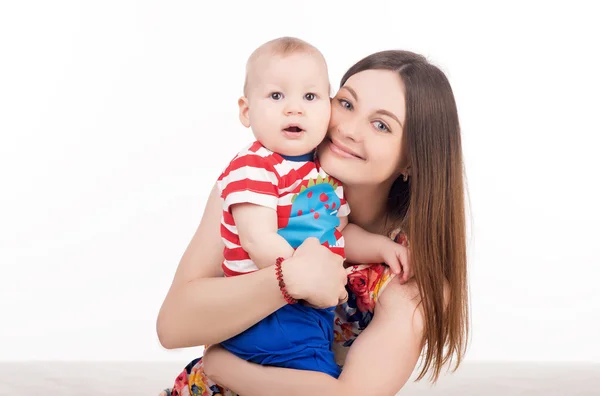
342 151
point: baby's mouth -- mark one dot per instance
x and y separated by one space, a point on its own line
294 129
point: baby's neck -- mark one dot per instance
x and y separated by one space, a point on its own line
300 158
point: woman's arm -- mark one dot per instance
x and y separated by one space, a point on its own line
202 307
379 362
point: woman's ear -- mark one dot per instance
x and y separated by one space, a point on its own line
406 173
244 109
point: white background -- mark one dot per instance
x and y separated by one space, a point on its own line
116 117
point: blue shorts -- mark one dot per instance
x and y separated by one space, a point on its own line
295 336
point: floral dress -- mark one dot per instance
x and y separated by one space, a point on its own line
365 283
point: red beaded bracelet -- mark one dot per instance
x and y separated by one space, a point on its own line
286 295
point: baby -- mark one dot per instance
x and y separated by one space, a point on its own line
275 195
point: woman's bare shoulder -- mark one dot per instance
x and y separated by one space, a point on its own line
397 294
405 299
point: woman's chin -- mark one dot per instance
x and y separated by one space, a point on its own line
334 167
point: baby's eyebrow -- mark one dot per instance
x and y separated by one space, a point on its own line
313 87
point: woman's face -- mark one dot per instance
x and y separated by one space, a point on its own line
364 140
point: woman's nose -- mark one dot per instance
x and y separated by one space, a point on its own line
351 130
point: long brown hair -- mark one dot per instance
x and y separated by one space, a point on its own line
430 206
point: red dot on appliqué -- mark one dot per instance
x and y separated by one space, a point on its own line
323 197
316 215
326 206
309 195
333 205
299 213
312 210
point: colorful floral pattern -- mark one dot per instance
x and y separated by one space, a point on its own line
365 283
193 382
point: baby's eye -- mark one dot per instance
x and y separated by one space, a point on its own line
345 104
310 96
276 95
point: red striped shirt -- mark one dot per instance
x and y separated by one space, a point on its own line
259 176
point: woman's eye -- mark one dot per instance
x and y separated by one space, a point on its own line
345 104
276 96
310 96
381 126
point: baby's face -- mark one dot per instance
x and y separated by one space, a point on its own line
288 102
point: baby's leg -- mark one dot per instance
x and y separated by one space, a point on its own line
294 336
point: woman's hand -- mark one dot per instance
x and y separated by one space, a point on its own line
315 274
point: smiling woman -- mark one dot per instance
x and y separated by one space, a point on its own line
365 129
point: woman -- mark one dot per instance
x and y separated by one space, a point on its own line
394 141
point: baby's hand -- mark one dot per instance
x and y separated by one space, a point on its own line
395 256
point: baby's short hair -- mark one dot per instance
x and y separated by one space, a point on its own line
281 46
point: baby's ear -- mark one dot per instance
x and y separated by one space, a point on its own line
244 109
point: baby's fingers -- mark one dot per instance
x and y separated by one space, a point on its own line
394 265
402 255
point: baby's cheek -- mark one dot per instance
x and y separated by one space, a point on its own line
323 117
327 110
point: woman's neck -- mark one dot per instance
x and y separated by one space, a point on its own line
367 206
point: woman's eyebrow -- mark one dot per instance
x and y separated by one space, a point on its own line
352 92
389 114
